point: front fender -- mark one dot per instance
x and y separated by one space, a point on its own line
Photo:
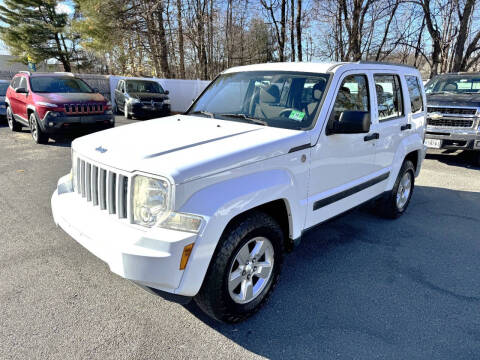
221 202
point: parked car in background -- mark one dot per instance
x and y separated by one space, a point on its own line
141 98
3 92
54 105
204 205
453 103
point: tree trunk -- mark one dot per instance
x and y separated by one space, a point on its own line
462 34
162 39
283 25
292 28
299 29
181 49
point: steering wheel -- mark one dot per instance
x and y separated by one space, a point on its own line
285 111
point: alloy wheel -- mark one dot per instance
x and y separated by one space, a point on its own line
404 190
251 270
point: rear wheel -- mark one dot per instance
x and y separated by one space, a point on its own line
244 269
12 123
37 134
397 200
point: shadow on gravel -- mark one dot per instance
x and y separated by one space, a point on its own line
364 287
467 159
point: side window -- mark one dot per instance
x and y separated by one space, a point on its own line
353 95
416 100
15 82
389 96
23 82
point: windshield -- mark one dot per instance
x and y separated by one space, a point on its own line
143 86
453 84
3 89
280 99
56 84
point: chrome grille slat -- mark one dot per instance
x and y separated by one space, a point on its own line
104 187
94 182
449 122
452 110
82 178
88 181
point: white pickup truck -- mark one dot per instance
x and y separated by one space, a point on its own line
204 205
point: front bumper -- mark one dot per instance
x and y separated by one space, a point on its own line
148 257
459 139
68 124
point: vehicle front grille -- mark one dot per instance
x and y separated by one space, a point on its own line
451 111
449 122
103 188
155 103
79 109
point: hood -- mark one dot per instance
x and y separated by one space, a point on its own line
467 100
187 147
148 96
70 98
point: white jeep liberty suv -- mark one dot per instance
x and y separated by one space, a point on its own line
204 205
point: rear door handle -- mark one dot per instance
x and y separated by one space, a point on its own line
373 136
405 127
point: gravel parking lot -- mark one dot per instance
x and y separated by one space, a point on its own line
358 287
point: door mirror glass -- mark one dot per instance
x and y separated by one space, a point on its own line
21 90
352 122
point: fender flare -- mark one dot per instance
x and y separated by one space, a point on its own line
406 146
220 203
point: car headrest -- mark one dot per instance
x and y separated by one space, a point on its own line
317 91
450 87
345 90
379 90
270 95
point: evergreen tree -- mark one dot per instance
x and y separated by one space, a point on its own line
34 31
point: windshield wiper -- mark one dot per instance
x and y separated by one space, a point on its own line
202 113
247 118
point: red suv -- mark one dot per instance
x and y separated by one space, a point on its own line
55 104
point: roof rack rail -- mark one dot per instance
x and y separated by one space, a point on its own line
385 63
64 73
25 72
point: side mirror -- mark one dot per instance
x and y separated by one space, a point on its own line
96 90
351 122
21 90
167 92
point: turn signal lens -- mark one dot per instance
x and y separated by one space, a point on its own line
187 250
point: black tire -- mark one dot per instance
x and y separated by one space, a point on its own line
12 123
214 297
389 207
37 133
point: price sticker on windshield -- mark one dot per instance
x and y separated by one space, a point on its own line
297 115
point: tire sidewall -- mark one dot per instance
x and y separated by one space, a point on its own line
10 120
406 167
272 236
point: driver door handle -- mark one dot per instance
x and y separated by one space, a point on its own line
373 136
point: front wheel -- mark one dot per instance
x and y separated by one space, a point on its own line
397 200
12 123
37 134
244 269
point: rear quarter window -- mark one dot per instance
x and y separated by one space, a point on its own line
415 93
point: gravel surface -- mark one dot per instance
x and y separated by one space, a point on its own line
358 287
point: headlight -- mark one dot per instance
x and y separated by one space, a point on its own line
45 104
133 100
151 200
182 222
166 101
